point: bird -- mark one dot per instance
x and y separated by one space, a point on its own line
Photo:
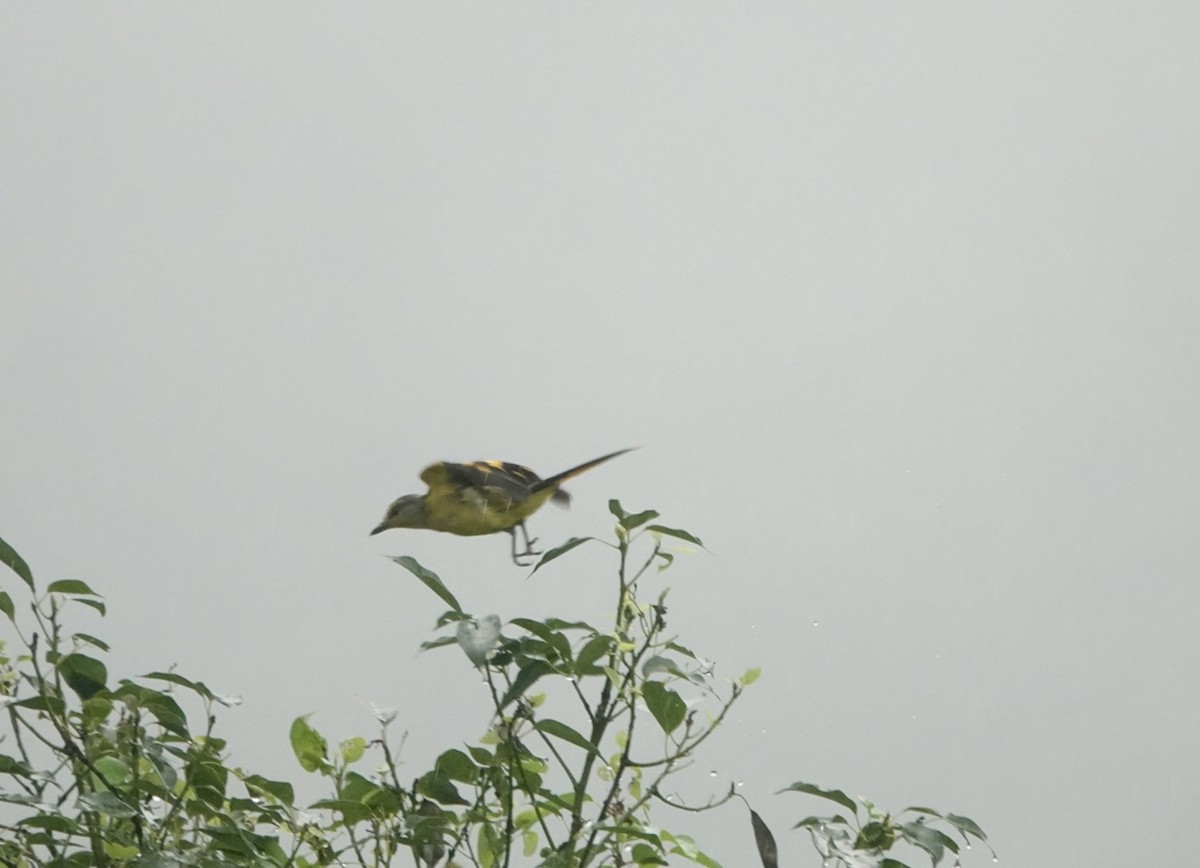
482 497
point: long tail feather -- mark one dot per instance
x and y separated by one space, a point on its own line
559 478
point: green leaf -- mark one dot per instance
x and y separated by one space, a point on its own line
436 786
107 803
555 805
122 853
15 563
529 673
767 850
440 642
457 766
383 801
308 745
112 770
349 804
614 506
45 702
90 640
833 795
636 520
561 730
430 580
356 787
166 772
6 605
644 854
675 532
97 709
166 711
629 830
85 675
194 686
835 820
95 604
51 823
482 756
558 551
660 663
231 839
930 840
560 624
352 749
665 704
451 617
684 845
965 825
595 648
72 587
687 652
876 835
537 628
13 766
280 790
208 779
352 811
559 642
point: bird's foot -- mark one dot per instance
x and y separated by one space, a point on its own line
529 552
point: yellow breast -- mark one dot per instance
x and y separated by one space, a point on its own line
474 511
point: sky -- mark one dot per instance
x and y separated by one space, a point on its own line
898 300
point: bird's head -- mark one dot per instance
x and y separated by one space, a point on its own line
407 511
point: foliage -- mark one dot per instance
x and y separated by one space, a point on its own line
586 724
851 843
103 773
556 776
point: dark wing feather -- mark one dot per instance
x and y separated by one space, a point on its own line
514 480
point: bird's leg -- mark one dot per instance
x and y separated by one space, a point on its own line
529 552
512 536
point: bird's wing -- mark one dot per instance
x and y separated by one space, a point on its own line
494 478
480 496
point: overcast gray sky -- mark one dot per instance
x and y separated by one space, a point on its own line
900 301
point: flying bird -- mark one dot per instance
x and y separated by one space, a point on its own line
482 497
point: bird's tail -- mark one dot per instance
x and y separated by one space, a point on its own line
559 478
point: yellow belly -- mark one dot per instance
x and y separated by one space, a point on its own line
473 511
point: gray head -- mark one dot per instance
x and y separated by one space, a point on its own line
407 511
